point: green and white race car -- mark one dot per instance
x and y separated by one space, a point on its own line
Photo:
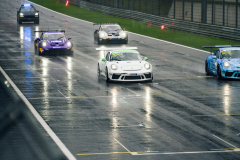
124 64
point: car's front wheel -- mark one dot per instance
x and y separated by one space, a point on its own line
206 68
106 73
219 74
98 70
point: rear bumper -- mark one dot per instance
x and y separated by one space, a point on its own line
113 40
28 19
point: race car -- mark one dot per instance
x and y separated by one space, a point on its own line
124 64
27 13
110 32
53 42
224 62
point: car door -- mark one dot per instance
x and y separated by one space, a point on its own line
104 63
213 62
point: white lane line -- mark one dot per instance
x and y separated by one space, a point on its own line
55 138
225 141
131 32
195 152
124 147
30 66
63 94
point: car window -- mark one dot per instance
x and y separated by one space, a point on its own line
217 53
107 56
49 36
225 54
27 9
110 28
125 56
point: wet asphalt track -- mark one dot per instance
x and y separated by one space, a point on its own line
182 114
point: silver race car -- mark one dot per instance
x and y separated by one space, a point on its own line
110 32
124 64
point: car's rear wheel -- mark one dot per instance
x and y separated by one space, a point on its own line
219 74
98 41
206 68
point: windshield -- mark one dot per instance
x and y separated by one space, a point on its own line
226 54
125 56
56 36
110 28
28 9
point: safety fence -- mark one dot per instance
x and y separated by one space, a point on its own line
175 16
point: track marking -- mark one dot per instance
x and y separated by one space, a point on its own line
225 141
217 115
123 146
194 152
128 31
133 92
45 68
63 94
83 154
55 138
222 149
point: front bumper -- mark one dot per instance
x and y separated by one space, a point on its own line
233 74
56 51
28 19
113 39
131 76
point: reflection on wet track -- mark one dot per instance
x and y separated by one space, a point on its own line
182 114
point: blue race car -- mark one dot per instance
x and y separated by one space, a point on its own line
224 62
53 43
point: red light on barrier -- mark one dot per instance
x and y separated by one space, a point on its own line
67 3
162 26
172 23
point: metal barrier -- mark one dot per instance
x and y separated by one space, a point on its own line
171 23
21 135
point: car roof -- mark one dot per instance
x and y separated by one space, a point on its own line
121 51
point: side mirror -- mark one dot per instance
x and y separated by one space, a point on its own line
146 58
69 38
37 11
97 30
17 11
38 39
214 57
124 29
104 59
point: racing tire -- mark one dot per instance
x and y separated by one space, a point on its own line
206 68
106 73
219 75
37 22
19 22
125 42
98 41
98 71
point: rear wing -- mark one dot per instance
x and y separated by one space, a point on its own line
220 46
52 31
111 49
104 23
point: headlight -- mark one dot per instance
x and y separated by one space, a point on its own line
226 64
36 14
44 44
102 34
21 15
69 44
114 67
147 66
124 35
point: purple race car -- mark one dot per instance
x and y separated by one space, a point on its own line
53 43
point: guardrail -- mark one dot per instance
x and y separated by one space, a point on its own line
187 26
16 119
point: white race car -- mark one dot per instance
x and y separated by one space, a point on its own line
124 64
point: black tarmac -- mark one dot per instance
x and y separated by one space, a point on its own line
182 114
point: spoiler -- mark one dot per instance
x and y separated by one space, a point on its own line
220 46
111 49
104 23
52 31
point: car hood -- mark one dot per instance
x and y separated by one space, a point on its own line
29 13
130 65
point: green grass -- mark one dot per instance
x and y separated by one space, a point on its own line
179 37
